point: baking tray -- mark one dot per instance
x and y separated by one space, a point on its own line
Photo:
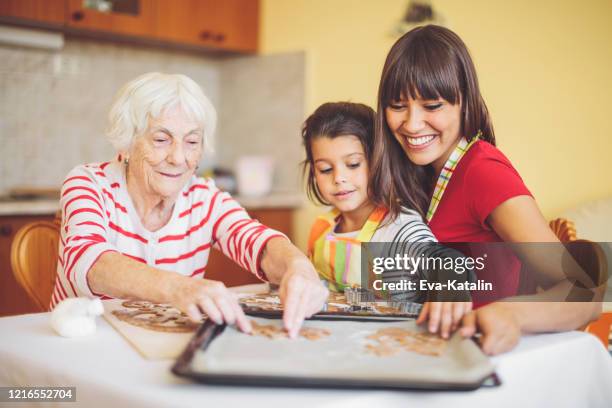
355 315
268 305
221 355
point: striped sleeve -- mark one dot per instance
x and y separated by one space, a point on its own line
410 236
83 231
238 236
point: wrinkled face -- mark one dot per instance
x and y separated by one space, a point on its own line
163 159
427 130
341 171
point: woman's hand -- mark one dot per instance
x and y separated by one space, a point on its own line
301 293
301 290
195 297
444 317
498 324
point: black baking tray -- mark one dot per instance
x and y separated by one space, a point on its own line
353 312
346 316
209 331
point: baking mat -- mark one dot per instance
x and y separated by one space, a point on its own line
222 355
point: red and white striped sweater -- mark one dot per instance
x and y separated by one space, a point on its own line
98 216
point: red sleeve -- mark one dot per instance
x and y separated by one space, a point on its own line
488 183
239 237
84 233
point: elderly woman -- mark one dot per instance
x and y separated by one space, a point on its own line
142 227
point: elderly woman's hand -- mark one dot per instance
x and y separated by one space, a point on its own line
302 294
195 297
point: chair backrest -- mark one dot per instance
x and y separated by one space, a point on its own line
591 257
564 229
588 254
34 260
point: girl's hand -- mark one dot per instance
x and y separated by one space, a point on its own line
195 297
444 317
302 294
498 324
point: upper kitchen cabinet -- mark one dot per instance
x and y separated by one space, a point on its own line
38 12
126 17
220 24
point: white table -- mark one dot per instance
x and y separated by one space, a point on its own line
561 370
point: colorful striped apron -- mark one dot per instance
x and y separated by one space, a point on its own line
338 259
447 172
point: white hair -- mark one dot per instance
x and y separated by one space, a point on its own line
145 98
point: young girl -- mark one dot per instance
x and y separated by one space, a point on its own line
338 138
435 151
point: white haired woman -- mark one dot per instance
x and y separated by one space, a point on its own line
142 226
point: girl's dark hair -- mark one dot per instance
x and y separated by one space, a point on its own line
332 120
428 62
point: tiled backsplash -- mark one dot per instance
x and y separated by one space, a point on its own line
262 107
54 106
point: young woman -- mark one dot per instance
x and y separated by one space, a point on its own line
435 151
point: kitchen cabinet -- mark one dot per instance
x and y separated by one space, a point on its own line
13 299
127 17
228 24
225 25
45 12
223 269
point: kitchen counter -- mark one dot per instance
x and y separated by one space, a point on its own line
28 207
43 207
273 200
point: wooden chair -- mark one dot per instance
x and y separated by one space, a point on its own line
34 259
590 257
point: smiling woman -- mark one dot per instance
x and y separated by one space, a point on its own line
165 157
142 226
434 152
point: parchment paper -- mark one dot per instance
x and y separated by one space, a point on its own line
342 355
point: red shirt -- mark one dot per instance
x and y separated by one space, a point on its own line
483 179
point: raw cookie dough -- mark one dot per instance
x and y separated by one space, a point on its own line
275 332
392 340
162 318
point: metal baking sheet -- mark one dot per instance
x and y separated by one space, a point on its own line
269 305
223 355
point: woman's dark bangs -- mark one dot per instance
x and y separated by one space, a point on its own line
425 72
